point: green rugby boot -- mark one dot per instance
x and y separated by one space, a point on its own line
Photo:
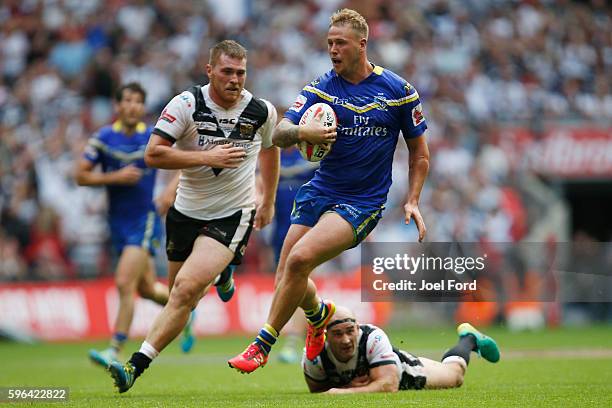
485 345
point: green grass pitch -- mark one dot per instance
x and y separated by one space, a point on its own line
552 368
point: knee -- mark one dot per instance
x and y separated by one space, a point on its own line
125 286
299 262
146 291
184 294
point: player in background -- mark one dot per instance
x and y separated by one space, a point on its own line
220 132
358 358
134 223
294 172
343 202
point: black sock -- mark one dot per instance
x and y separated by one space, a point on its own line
140 362
463 348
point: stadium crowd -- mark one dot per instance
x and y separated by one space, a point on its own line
476 65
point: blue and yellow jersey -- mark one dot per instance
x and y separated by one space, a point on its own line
371 115
113 149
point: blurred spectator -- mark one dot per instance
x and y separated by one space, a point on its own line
474 63
12 266
46 254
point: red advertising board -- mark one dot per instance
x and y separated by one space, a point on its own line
561 151
86 309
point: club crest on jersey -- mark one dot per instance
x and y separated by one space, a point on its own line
246 131
417 115
299 103
381 101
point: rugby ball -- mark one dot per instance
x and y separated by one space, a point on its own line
309 151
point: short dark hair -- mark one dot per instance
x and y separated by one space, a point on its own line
230 48
132 86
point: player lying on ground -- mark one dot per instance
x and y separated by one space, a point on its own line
344 201
360 358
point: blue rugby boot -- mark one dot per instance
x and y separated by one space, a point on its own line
225 284
103 358
187 337
124 375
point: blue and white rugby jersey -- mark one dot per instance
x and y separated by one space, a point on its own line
371 115
113 149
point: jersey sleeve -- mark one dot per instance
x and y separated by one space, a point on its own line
93 150
379 350
313 369
304 100
412 119
175 117
268 126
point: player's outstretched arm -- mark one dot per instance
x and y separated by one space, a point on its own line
160 154
418 167
317 386
85 175
382 379
287 133
269 169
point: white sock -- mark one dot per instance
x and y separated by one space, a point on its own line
148 350
456 359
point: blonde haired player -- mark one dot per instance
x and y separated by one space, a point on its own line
343 202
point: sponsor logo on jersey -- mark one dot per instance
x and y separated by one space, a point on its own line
417 115
299 103
185 99
206 126
363 130
409 89
377 339
91 152
202 115
248 120
166 116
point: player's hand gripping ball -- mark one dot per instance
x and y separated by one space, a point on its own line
309 151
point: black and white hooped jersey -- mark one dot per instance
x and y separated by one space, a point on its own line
204 192
373 350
